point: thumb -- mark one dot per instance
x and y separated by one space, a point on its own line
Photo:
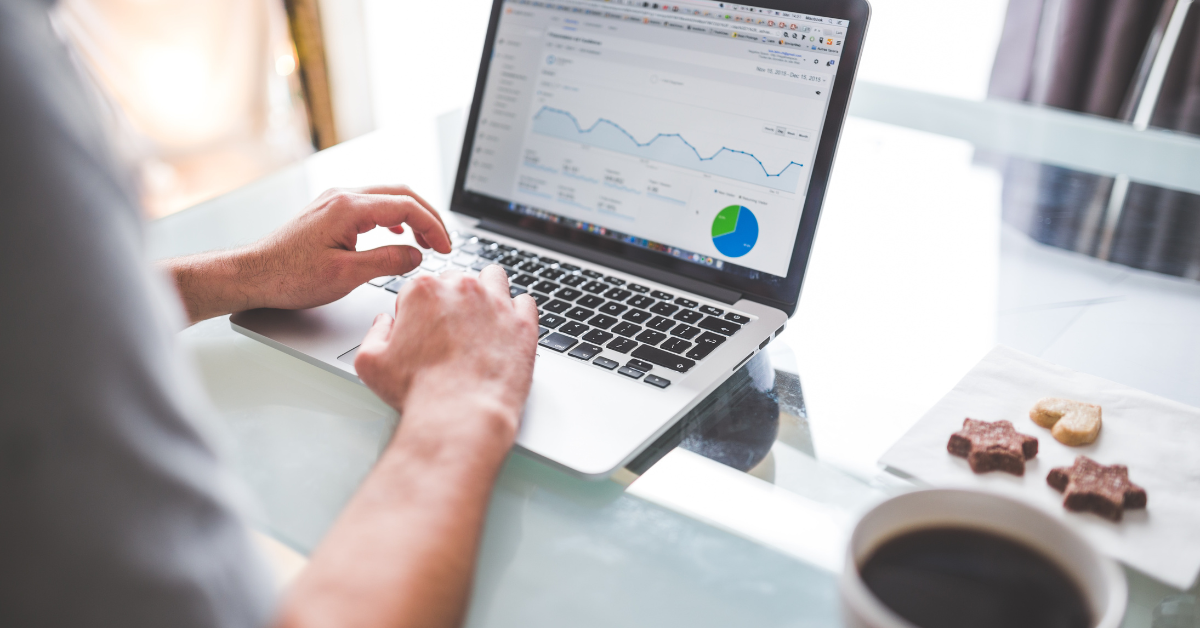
385 260
377 335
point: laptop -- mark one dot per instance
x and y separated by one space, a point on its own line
652 175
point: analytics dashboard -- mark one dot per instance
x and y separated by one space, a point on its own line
685 128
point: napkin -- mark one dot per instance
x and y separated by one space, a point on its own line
1158 439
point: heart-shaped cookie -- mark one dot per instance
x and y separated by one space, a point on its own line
1070 422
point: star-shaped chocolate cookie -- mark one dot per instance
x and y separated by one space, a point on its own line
1089 486
992 446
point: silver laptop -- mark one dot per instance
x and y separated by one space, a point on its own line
652 175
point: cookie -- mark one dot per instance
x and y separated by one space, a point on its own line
1089 486
1070 422
992 446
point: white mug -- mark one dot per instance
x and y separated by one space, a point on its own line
1099 579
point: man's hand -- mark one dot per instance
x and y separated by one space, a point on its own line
457 361
455 337
312 259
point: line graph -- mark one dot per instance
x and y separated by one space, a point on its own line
669 148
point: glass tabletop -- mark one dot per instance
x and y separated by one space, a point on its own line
739 515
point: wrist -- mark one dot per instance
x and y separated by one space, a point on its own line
442 416
214 284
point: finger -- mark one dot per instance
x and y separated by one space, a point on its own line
526 307
378 334
386 260
390 211
494 280
398 229
404 190
422 242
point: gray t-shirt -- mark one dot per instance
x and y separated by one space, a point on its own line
113 509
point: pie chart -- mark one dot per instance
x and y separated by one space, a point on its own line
734 231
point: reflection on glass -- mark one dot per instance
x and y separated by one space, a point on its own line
1100 59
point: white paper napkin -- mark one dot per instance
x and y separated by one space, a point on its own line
1158 439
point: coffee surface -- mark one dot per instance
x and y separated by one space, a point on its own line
959 577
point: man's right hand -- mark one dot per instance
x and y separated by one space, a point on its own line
454 339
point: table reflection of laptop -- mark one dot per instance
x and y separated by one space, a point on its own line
652 176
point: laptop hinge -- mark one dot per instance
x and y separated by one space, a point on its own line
724 295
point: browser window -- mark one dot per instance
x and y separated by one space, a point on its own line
684 128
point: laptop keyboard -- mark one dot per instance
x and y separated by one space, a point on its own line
627 328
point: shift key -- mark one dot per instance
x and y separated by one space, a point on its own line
662 358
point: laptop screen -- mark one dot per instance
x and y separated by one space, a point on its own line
687 128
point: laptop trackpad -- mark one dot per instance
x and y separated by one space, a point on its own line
348 357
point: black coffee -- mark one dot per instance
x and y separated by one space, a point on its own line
963 578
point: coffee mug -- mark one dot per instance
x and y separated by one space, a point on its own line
1099 580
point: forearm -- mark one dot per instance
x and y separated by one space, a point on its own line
212 284
403 552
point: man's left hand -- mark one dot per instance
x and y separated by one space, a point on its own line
312 259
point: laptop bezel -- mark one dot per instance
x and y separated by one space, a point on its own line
779 292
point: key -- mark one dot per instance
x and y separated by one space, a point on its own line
659 294
473 246
542 331
510 272
622 345
558 307
664 308
567 294
594 287
524 280
626 329
658 357
490 254
432 264
591 273
687 316
614 281
380 282
573 329
570 268
551 273
636 316
549 261
658 323
598 337
711 311
655 380
513 291
737 318
545 287
613 309
539 299
558 342
509 260
641 301
675 345
551 320
602 321
590 300
721 327
705 344
639 365
481 264
686 332
605 363
650 337
617 294
580 314
682 302
638 288
574 280
530 267
628 372
585 351
394 285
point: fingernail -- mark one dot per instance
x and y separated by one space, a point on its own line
415 257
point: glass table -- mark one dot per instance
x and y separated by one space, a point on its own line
739 516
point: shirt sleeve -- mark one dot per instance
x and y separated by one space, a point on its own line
114 511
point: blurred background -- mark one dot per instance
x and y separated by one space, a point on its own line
205 97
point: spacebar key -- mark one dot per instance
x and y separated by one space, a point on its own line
661 358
